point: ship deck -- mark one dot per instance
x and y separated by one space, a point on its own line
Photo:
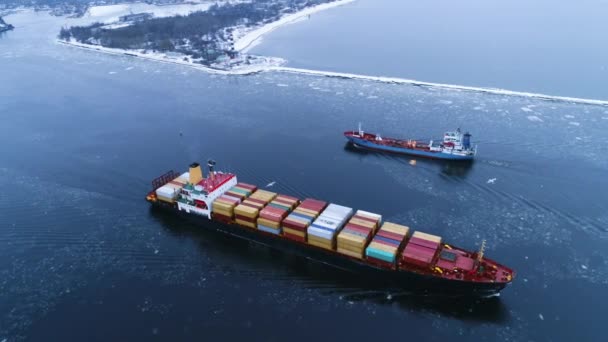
392 142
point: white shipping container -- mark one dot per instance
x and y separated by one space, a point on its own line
326 222
368 214
338 210
185 177
167 191
320 233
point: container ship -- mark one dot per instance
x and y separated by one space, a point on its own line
455 145
355 241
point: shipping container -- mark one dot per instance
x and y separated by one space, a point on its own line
268 223
245 210
294 232
245 223
422 242
380 254
321 233
395 228
247 186
426 236
354 254
269 229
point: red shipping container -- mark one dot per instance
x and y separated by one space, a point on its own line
354 225
245 218
220 217
356 228
380 263
313 204
286 198
391 243
273 213
262 202
419 250
369 219
390 235
446 264
418 260
425 243
236 194
247 186
294 225
294 237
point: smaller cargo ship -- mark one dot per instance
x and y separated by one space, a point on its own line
455 145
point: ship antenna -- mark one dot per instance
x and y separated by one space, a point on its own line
360 131
481 250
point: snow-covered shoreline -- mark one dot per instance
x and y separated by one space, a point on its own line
265 64
270 63
252 38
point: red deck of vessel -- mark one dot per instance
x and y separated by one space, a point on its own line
210 184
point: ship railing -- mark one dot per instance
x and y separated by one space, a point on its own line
164 179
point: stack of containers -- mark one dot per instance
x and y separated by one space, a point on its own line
322 232
284 202
421 249
296 223
273 214
241 190
270 219
385 245
355 236
223 207
169 191
247 212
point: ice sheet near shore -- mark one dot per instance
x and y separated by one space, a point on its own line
247 38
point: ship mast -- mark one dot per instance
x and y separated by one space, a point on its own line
481 251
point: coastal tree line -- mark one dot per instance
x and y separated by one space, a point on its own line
201 34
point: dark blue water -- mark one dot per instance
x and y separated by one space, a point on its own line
544 46
82 257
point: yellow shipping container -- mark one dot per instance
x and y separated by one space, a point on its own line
246 211
395 228
294 232
385 248
222 206
426 236
355 249
363 223
223 212
358 255
320 244
245 223
268 223
306 212
351 239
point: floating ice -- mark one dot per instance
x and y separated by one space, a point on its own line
535 118
491 181
584 267
526 109
282 85
542 318
574 123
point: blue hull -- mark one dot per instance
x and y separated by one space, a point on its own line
435 155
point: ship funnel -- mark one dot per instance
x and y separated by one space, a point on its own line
211 164
196 174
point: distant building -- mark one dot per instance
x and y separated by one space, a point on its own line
136 17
